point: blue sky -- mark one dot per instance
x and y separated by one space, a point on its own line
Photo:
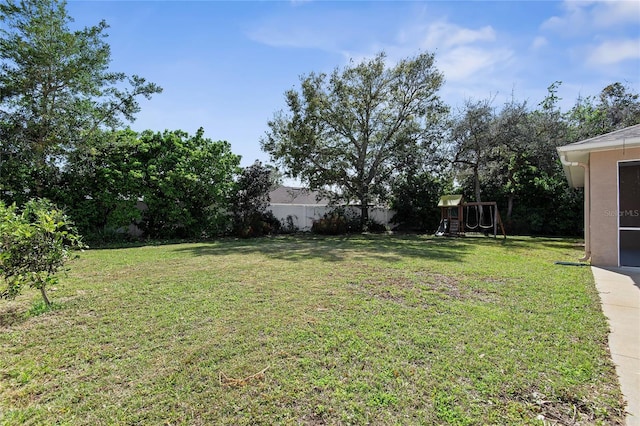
225 66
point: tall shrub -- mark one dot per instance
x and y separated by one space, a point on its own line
250 201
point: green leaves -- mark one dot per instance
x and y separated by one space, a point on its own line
34 245
186 183
350 130
250 201
56 92
170 184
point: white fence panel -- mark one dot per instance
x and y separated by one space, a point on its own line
303 215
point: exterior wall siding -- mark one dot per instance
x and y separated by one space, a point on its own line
604 204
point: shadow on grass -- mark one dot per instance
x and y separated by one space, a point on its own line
386 248
117 245
566 243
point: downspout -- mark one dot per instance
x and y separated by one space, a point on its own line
587 205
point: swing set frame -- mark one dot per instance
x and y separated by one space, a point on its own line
452 217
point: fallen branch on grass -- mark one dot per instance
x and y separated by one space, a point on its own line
230 381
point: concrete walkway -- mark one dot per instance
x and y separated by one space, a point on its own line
619 290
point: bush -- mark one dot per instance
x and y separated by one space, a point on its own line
34 245
342 221
250 201
287 226
330 224
414 198
258 225
375 227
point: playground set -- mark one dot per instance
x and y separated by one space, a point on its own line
458 217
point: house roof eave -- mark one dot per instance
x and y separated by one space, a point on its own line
580 152
627 137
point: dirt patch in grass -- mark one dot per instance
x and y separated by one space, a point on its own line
442 284
454 288
419 288
387 284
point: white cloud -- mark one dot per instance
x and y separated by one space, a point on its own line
467 56
460 52
444 35
464 62
597 36
614 51
302 37
573 21
607 14
305 28
584 16
539 42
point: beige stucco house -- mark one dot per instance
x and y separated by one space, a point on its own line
608 168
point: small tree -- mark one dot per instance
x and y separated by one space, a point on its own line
251 199
34 245
415 198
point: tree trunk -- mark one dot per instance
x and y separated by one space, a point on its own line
364 209
476 177
43 291
364 214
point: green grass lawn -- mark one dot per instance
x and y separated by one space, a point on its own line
310 330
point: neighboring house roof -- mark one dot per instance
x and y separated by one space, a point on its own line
290 195
450 200
578 152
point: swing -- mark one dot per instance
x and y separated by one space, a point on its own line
490 224
468 225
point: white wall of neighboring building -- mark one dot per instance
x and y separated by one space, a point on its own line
303 215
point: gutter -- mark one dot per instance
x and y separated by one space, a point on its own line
587 204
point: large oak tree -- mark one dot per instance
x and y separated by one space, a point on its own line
352 130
